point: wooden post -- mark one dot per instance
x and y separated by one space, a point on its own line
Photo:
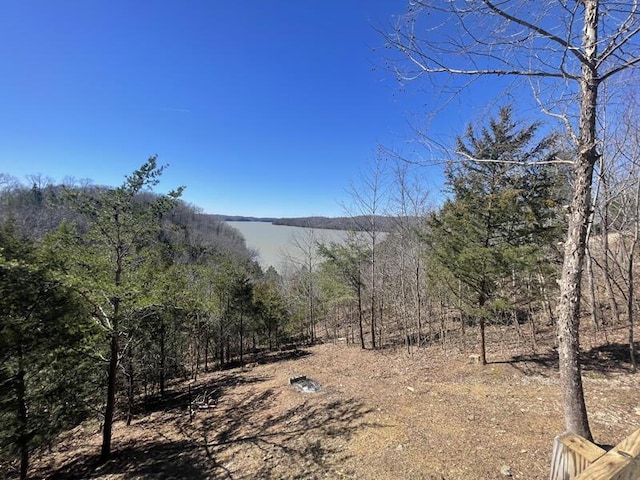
575 458
622 462
572 454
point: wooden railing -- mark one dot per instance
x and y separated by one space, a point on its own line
575 458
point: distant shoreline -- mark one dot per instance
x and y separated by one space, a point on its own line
240 218
358 223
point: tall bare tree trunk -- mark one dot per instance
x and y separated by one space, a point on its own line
575 411
630 310
418 304
569 313
631 291
360 316
373 292
163 358
130 373
592 287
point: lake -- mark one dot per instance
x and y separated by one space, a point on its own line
277 243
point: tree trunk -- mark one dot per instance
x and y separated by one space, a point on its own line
130 385
373 283
241 336
220 343
483 345
23 436
418 304
631 291
630 310
575 411
360 316
592 288
380 321
373 320
111 394
114 351
206 351
545 299
163 359
312 320
615 313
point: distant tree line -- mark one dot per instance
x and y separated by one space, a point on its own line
351 223
354 223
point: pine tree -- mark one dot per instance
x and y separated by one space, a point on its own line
502 211
121 228
349 259
43 331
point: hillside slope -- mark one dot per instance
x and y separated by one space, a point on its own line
380 415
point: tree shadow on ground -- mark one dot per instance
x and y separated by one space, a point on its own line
604 359
284 355
181 396
165 457
305 441
166 460
249 433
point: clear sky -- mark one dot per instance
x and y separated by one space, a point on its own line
260 107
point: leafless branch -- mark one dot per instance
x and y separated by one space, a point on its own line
536 28
513 162
619 68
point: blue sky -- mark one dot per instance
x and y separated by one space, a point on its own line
265 108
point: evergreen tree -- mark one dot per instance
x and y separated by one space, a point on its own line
349 259
270 310
43 332
105 260
501 213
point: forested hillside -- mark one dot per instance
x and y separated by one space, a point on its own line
107 294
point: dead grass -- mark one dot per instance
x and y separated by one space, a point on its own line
381 415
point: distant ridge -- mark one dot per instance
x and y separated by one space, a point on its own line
358 223
240 218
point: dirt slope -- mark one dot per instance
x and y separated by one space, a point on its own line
380 415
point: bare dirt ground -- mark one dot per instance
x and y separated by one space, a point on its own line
383 414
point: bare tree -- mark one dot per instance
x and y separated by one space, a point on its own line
8 182
305 258
631 249
348 259
366 208
408 205
622 221
568 50
630 272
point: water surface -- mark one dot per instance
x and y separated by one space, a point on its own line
277 244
